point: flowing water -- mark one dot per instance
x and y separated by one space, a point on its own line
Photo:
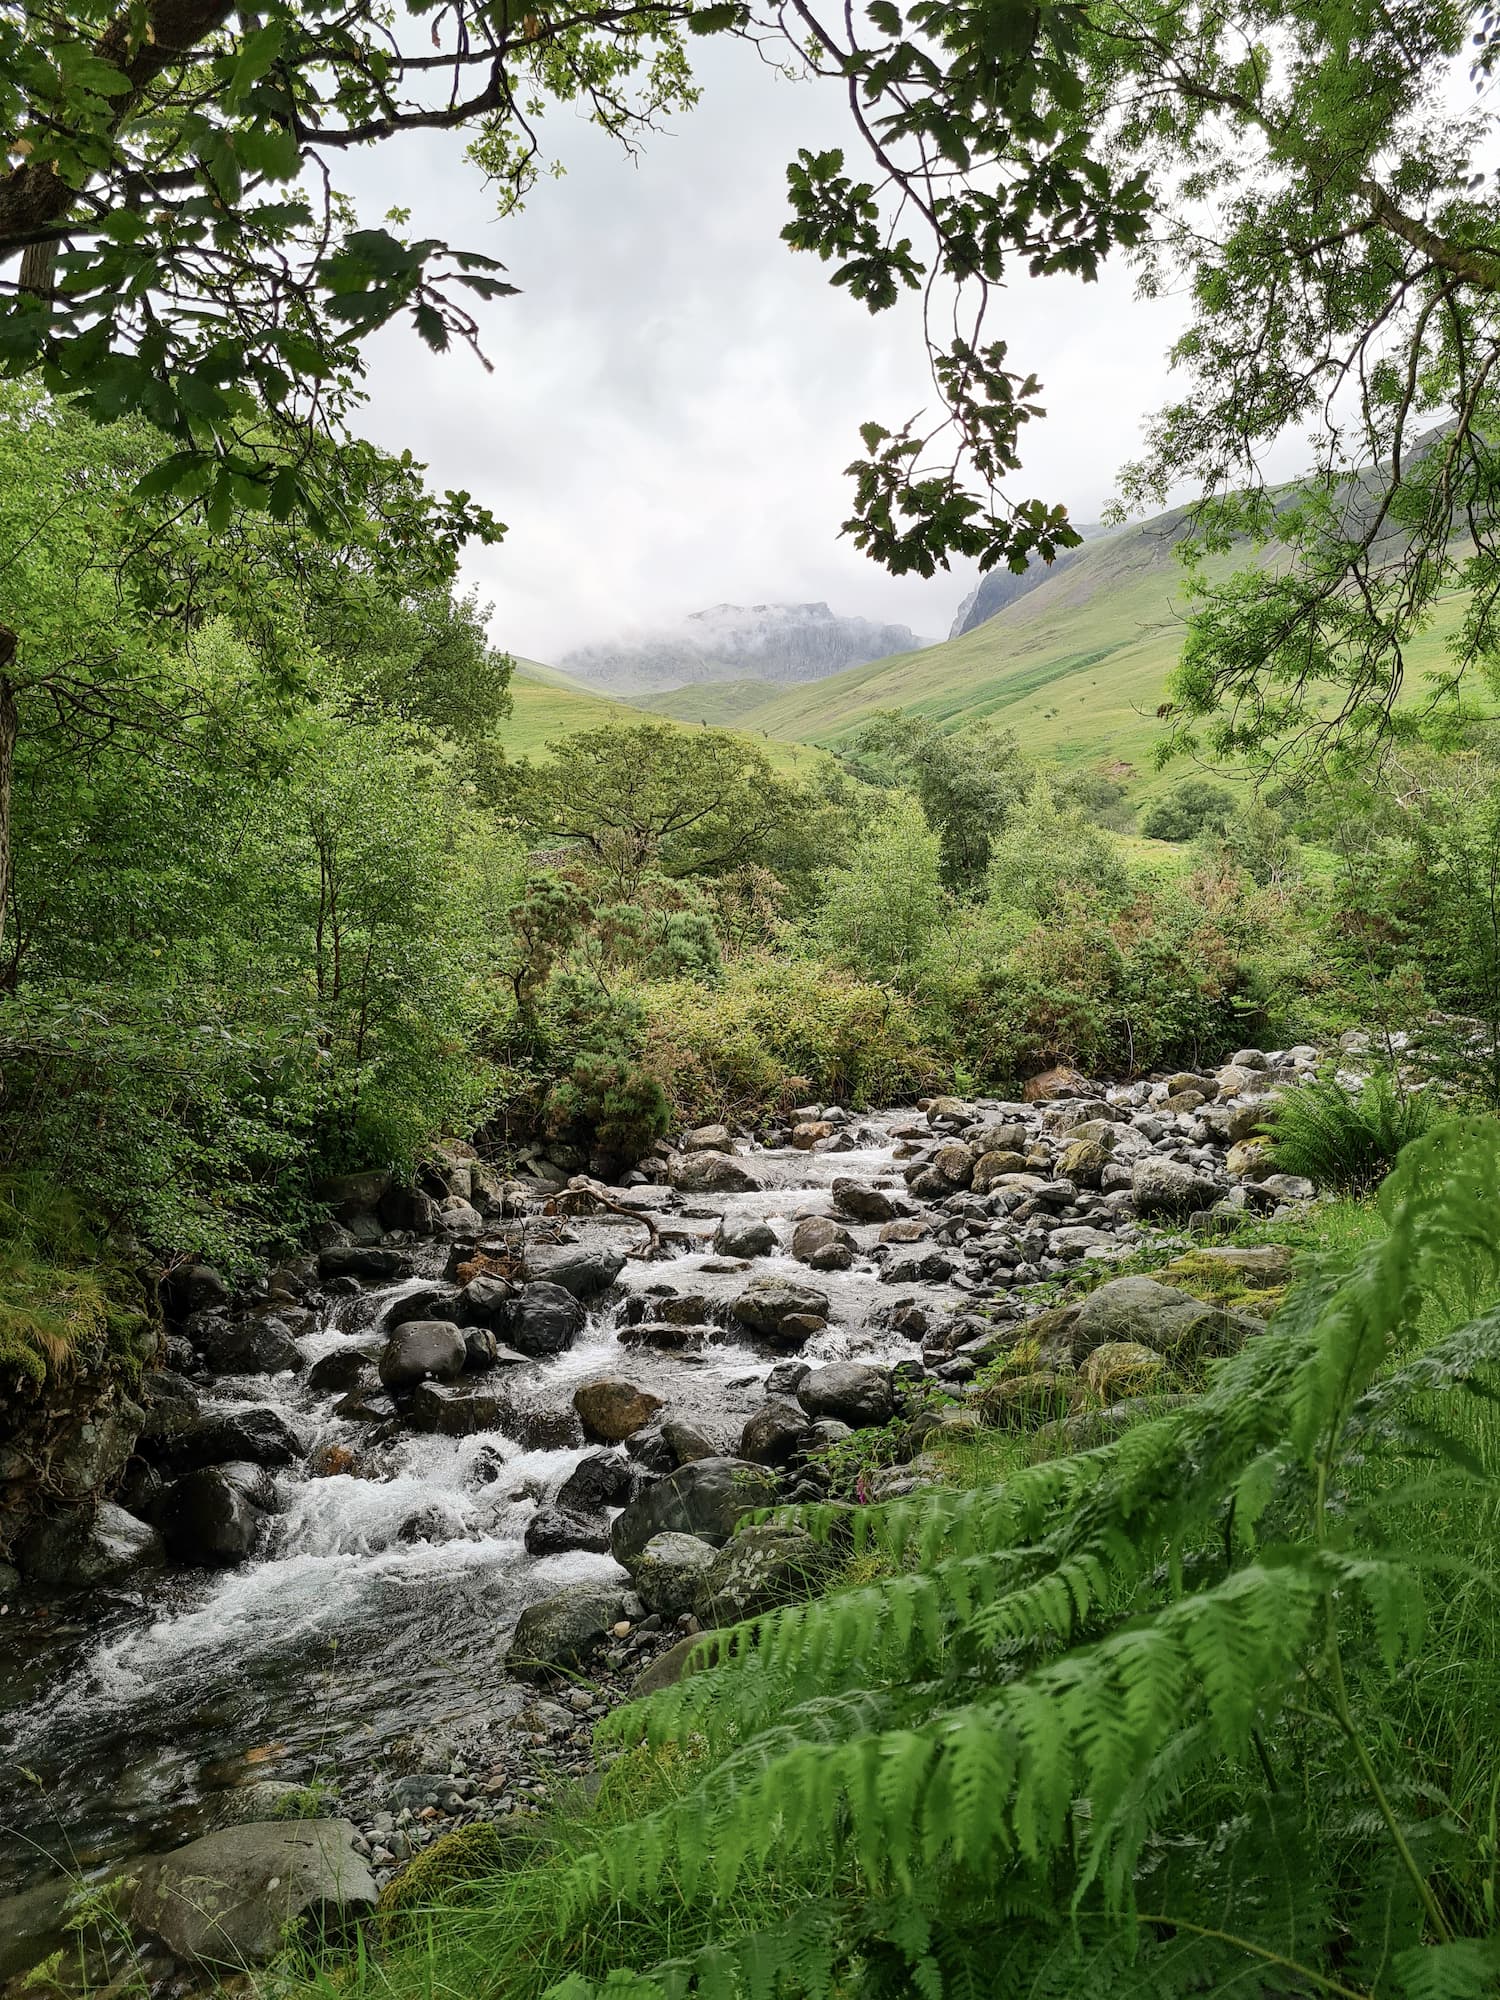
383 1604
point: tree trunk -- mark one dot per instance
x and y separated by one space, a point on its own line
9 724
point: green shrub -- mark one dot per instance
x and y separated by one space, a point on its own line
777 1030
63 1304
609 1106
1193 808
1346 1140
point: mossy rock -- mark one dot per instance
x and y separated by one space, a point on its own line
443 1873
1244 1279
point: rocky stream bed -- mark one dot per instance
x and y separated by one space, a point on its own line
390 1535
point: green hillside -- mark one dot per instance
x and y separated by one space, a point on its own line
1077 668
547 705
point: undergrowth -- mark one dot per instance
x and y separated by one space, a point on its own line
59 1304
1346 1139
1202 1710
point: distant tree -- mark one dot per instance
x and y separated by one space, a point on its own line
653 799
1049 851
967 781
1192 808
883 910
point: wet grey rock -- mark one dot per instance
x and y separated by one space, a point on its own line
932 1269
409 1209
686 1442
668 1571
485 1301
362 1260
1171 1187
583 1269
563 1629
540 1429
745 1237
861 1203
228 1899
544 1319
422 1350
822 1244
93 1451
481 1349
214 1517
458 1220
763 1566
552 1529
707 1139
220 1437
705 1498
425 1301
600 1480
337 1373
449 1409
850 1391
666 1670
776 1434
194 1288
77 1550
1171 1322
613 1409
767 1304
710 1173
784 1377
259 1344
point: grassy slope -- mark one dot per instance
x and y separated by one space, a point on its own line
1077 668
547 705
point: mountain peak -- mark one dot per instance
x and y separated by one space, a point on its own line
737 642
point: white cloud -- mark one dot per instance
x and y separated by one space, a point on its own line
675 394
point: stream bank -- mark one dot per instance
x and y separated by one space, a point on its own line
352 1492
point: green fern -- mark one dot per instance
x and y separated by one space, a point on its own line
1343 1139
1018 1715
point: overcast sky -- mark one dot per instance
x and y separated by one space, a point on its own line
675 393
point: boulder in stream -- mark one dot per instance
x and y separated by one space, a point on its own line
600 1480
711 1173
584 1269
745 1236
1171 1187
561 1630
861 1203
362 1260
552 1530
851 1391
767 1304
822 1244
214 1517
777 1433
220 1437
612 1409
422 1350
228 1899
78 1549
704 1498
544 1319
255 1344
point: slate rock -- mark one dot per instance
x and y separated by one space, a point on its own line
344 1369
705 1498
220 1437
544 1319
562 1630
667 1572
763 1566
851 1391
450 1409
228 1898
